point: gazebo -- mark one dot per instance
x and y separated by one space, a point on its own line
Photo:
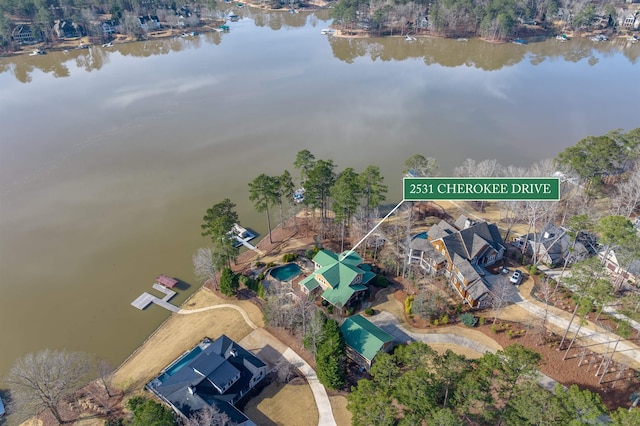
166 281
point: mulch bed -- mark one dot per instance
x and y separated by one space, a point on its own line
614 393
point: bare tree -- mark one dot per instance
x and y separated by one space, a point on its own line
42 380
500 296
627 198
285 371
208 416
315 332
205 265
105 368
485 168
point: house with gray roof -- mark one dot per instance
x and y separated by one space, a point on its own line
554 246
461 251
214 373
621 265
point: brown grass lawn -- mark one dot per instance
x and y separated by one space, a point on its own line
339 407
180 333
286 405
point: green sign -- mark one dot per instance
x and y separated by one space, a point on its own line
454 189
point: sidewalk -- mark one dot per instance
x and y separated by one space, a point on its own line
602 341
270 349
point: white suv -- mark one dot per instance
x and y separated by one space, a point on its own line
516 277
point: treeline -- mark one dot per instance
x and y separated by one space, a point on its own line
40 15
417 386
495 19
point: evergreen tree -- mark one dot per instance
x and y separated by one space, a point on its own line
331 358
229 282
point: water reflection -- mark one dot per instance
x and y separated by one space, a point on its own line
445 52
477 53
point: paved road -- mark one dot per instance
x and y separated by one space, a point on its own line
389 323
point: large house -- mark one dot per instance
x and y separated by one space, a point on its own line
214 373
554 246
459 251
149 23
364 340
340 277
65 28
23 34
621 266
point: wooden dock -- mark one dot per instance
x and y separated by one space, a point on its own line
145 299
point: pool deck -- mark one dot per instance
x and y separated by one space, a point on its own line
145 299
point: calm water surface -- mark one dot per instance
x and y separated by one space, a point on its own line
109 157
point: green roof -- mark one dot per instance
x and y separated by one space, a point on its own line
310 283
339 271
325 258
363 336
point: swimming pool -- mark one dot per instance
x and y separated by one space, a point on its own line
181 362
286 272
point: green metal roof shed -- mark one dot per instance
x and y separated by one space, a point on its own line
364 339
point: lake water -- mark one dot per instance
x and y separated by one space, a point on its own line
110 157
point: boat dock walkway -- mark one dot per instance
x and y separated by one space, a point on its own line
245 242
145 299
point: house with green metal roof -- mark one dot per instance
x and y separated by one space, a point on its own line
341 278
364 340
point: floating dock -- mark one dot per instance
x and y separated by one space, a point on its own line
145 299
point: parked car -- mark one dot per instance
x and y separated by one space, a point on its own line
516 277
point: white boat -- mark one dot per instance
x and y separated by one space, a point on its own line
463 39
599 37
298 195
327 31
37 52
108 44
562 37
241 234
409 38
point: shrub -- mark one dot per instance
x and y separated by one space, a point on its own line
533 269
510 334
436 323
494 329
311 252
482 320
348 312
368 311
271 264
330 309
468 319
444 320
459 308
408 304
289 257
380 281
259 264
260 290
